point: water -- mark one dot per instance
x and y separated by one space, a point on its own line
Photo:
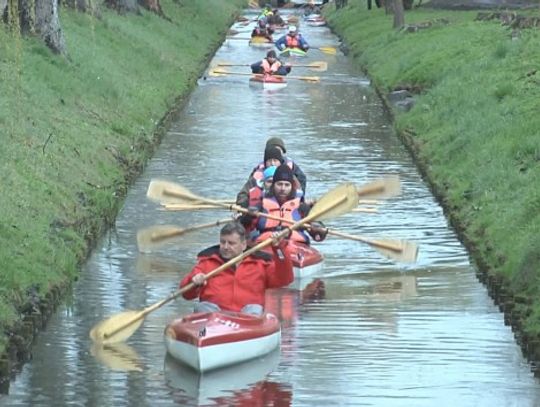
365 332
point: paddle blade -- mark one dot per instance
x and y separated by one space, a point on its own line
328 50
387 187
346 192
117 328
216 72
169 192
305 78
157 236
407 253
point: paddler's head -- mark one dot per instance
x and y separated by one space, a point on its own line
271 56
293 30
282 187
272 157
232 240
276 142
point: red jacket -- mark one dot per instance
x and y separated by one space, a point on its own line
231 290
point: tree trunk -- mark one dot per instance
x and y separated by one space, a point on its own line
399 14
123 6
3 11
26 16
48 25
341 4
152 5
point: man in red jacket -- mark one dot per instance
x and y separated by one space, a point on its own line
242 287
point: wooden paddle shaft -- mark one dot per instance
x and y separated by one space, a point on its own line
156 237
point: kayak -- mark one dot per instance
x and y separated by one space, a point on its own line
316 22
268 81
288 52
260 42
210 340
306 259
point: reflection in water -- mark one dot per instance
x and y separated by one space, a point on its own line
238 385
118 356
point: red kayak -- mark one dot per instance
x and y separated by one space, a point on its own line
210 340
268 81
306 259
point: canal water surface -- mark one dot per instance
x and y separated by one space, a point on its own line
364 332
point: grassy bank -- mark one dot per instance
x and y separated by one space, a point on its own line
74 131
475 128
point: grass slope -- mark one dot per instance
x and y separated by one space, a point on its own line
73 130
475 126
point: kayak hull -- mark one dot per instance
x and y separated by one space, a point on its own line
268 81
211 340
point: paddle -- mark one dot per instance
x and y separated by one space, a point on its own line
326 50
156 236
164 191
387 187
121 326
184 207
319 66
218 72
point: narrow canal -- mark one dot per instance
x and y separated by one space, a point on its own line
364 332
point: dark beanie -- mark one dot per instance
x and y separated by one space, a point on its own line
273 152
271 54
283 173
276 141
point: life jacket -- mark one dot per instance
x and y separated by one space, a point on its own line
255 196
269 69
288 211
292 42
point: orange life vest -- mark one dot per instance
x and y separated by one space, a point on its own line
292 42
288 211
269 69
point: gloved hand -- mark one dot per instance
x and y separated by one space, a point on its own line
317 231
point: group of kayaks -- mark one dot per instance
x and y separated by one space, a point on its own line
212 340
272 82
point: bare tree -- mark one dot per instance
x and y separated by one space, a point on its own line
3 10
48 25
26 16
123 6
399 14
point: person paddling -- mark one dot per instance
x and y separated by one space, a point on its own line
293 39
262 30
239 288
282 202
270 65
272 157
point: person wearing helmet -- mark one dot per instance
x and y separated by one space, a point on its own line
270 65
293 39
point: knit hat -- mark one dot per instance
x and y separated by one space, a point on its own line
271 54
283 173
276 141
269 172
273 152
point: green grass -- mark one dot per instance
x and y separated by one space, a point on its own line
74 129
476 125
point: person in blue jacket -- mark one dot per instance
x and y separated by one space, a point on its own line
293 39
